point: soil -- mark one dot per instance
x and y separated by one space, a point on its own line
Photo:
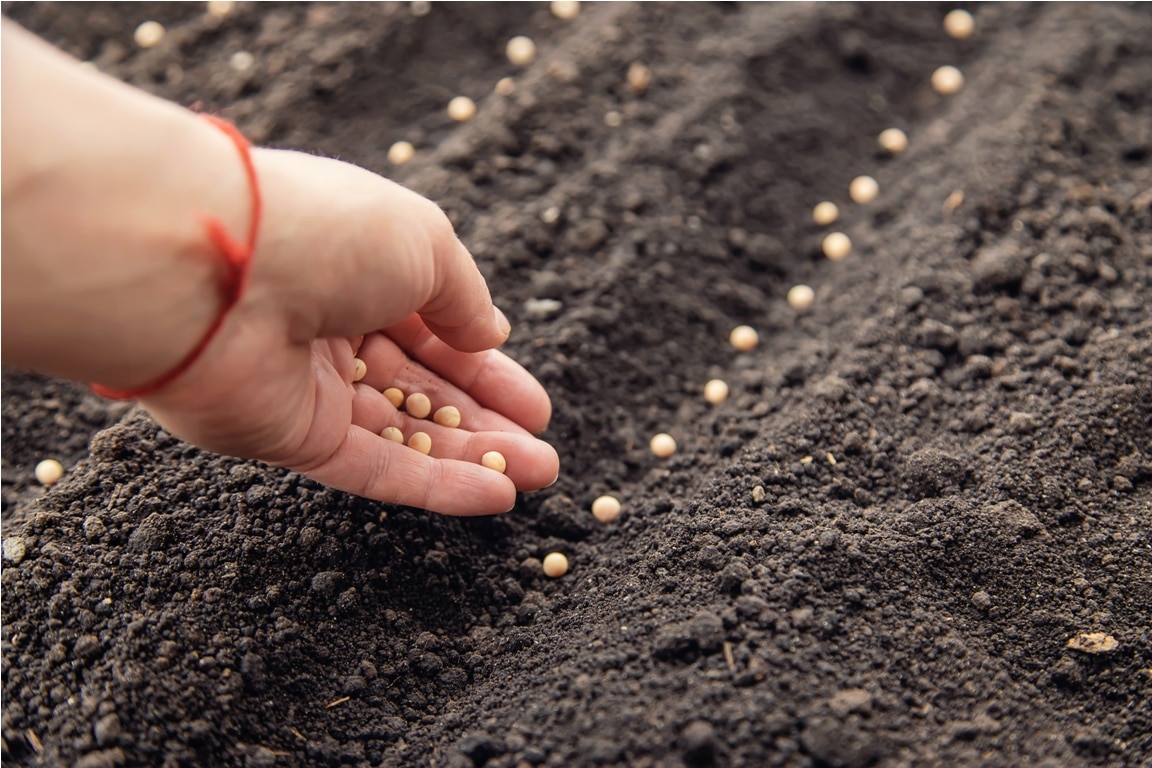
883 549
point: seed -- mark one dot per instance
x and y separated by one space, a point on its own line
361 369
606 509
461 109
663 445
393 434
947 80
521 51
837 246
744 338
220 8
401 152
149 34
420 441
505 86
420 8
825 213
801 297
863 189
565 9
893 139
613 119
49 471
494 460
448 416
241 61
555 565
418 405
639 77
959 24
716 391
394 396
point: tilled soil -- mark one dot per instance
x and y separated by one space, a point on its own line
883 549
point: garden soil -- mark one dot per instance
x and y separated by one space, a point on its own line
917 533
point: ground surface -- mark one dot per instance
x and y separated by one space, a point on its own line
875 552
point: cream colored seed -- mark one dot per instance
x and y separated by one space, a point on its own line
893 140
716 391
241 61
744 338
49 472
494 460
663 445
394 396
825 213
420 441
448 416
801 297
418 405
420 8
639 77
959 24
505 86
606 509
555 565
837 246
149 34
220 8
401 152
565 9
947 80
521 51
863 189
393 434
361 369
461 109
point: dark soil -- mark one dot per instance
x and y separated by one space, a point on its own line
876 552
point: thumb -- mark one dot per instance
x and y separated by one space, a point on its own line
354 253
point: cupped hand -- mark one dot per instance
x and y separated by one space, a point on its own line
348 263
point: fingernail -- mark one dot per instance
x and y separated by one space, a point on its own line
502 321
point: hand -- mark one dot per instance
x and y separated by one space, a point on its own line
342 252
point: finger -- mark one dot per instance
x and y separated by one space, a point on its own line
370 466
389 366
531 463
492 378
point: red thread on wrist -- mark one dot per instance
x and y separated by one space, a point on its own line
237 259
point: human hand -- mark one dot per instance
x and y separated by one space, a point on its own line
342 252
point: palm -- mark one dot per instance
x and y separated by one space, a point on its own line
299 409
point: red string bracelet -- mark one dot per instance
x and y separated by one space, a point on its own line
237 259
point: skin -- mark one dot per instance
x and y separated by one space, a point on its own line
108 276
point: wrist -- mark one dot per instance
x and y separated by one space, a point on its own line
109 275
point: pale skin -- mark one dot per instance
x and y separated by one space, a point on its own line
108 277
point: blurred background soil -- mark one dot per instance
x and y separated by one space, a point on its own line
883 549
